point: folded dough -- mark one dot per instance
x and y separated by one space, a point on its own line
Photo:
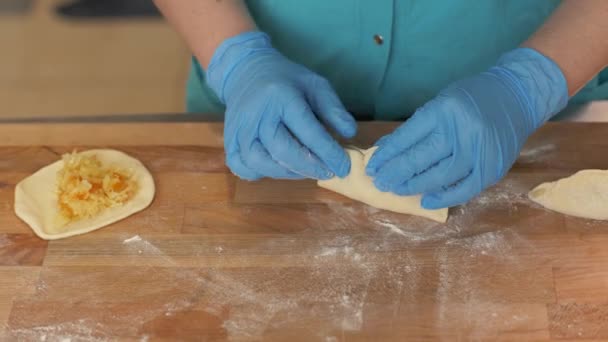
584 194
36 198
359 186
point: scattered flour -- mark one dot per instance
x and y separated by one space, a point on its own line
392 226
134 238
77 331
537 153
346 262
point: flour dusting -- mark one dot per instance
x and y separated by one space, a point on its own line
391 226
134 238
347 264
537 153
76 331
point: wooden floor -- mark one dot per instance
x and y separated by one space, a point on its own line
53 67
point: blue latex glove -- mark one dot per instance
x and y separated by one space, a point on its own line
470 135
273 108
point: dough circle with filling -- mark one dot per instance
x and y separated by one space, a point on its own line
36 197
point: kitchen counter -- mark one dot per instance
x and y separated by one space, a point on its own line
217 258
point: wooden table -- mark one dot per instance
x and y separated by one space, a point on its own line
216 258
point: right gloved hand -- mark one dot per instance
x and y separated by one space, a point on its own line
273 107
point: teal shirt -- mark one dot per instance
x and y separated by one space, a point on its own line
386 58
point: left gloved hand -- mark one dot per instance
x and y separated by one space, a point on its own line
469 136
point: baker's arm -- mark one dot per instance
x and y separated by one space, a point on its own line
576 38
274 107
468 137
205 24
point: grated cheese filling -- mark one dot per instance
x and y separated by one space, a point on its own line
85 187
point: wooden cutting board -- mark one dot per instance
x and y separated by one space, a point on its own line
216 258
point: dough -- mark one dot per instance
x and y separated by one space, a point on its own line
359 186
36 198
584 194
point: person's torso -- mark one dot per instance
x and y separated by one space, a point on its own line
386 58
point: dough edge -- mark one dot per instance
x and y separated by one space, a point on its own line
358 186
554 195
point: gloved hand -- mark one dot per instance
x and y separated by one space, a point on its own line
470 135
273 108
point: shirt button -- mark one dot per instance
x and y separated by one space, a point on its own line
378 39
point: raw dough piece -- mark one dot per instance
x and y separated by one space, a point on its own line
584 194
359 186
36 198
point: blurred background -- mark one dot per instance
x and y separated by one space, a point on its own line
64 58
107 60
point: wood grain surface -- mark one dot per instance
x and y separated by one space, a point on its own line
217 258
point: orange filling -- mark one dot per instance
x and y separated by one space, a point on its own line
86 187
